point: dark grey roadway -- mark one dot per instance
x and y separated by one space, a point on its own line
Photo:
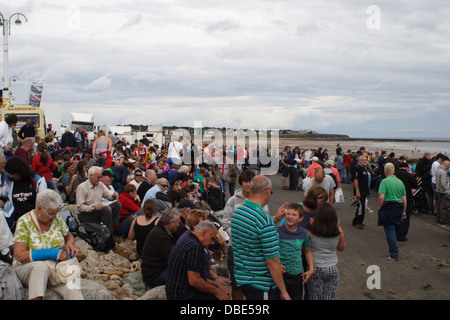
421 273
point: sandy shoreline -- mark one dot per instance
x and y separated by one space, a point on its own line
413 149
354 145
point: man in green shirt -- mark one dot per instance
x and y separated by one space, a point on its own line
392 208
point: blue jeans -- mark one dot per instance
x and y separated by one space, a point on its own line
51 184
124 226
223 184
391 238
341 175
231 188
171 161
306 165
348 175
159 280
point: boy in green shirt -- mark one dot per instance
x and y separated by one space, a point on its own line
294 241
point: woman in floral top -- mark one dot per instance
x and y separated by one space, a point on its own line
33 247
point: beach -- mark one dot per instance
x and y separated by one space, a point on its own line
412 149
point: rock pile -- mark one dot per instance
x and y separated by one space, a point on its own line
116 274
118 270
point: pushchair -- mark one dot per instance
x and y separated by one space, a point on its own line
216 199
419 198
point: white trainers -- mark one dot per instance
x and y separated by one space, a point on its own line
367 206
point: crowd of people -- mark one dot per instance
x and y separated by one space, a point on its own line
416 185
139 191
293 255
152 194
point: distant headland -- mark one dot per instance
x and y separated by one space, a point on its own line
343 137
307 134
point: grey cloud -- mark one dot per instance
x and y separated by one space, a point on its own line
223 25
280 65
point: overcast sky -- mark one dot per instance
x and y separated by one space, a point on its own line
362 68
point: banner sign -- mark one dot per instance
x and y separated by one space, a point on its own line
36 93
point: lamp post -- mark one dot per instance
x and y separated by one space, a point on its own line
6 24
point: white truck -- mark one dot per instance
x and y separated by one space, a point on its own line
154 133
84 121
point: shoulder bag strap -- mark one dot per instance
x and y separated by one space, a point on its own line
38 227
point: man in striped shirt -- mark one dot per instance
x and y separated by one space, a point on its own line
256 246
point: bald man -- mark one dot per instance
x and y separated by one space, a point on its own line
24 152
323 180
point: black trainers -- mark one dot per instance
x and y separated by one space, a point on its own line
8 258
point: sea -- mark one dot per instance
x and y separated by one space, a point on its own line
413 147
419 146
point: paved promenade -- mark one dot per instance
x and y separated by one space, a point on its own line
423 269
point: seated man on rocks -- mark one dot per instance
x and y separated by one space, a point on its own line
147 183
162 185
185 279
89 201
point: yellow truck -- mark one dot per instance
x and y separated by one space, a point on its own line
23 112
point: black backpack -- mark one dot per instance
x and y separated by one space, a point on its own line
290 159
97 235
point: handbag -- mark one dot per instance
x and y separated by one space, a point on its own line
339 196
60 271
63 271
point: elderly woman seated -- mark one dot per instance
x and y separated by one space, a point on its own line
48 239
